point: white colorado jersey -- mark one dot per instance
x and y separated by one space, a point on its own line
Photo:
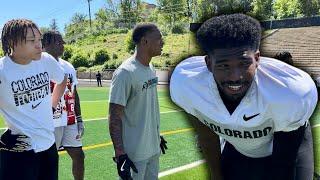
281 98
25 98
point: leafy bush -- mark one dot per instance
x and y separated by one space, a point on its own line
130 46
114 56
1 53
79 59
178 29
67 54
82 69
101 56
112 64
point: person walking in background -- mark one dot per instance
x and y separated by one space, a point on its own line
98 77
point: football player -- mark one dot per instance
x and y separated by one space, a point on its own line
27 148
260 106
67 114
134 117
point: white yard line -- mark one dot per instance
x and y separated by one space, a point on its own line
96 119
317 125
181 168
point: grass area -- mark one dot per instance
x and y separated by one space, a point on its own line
199 172
182 150
175 47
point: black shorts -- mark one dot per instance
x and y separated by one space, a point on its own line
236 166
29 165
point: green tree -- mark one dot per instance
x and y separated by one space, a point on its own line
309 7
203 10
287 9
101 56
78 27
130 11
130 46
232 6
172 11
104 18
79 60
262 9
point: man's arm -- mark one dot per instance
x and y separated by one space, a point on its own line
116 113
58 92
210 146
284 154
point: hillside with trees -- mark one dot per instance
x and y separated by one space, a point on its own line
103 42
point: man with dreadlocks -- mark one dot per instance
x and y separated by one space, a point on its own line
27 148
67 115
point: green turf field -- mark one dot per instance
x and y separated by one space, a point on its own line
177 131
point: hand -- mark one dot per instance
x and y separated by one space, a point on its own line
123 165
15 143
163 144
80 126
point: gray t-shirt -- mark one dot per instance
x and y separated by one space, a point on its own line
134 86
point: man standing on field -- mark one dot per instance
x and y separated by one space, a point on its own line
67 114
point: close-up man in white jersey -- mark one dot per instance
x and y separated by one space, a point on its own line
27 147
67 115
258 106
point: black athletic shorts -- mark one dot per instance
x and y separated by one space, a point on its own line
236 166
29 165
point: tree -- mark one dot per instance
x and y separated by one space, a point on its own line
77 28
173 11
53 25
232 6
203 10
130 11
287 9
78 18
104 18
309 7
262 9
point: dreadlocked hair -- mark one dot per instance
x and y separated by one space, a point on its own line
49 37
15 31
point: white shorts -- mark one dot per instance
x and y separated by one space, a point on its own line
66 136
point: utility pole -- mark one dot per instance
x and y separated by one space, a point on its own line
89 14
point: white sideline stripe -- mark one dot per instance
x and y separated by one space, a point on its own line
318 125
96 119
181 168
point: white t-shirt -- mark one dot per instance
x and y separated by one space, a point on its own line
60 115
281 98
25 98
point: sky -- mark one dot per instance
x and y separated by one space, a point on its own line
43 11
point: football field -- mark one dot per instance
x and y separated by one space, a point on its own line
174 126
